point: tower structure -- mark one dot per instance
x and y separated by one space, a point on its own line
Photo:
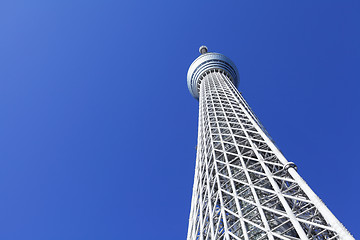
244 188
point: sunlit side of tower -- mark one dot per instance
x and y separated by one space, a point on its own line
244 188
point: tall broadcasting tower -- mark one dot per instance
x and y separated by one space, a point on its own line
244 188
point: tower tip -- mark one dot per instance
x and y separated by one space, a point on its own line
203 49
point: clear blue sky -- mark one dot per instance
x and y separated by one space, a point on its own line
98 129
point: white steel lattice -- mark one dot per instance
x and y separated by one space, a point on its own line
244 188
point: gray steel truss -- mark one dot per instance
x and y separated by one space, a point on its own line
244 188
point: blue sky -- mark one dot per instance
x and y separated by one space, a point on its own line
98 129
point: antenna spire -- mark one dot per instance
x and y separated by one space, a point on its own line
203 49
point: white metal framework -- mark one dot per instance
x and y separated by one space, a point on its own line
244 188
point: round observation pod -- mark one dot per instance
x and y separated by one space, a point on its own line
204 64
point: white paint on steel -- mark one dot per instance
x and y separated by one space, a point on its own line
244 188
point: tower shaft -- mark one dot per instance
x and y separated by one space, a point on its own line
244 188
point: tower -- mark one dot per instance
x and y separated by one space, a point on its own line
244 188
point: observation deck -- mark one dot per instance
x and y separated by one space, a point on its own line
206 63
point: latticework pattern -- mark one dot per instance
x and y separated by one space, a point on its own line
244 188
